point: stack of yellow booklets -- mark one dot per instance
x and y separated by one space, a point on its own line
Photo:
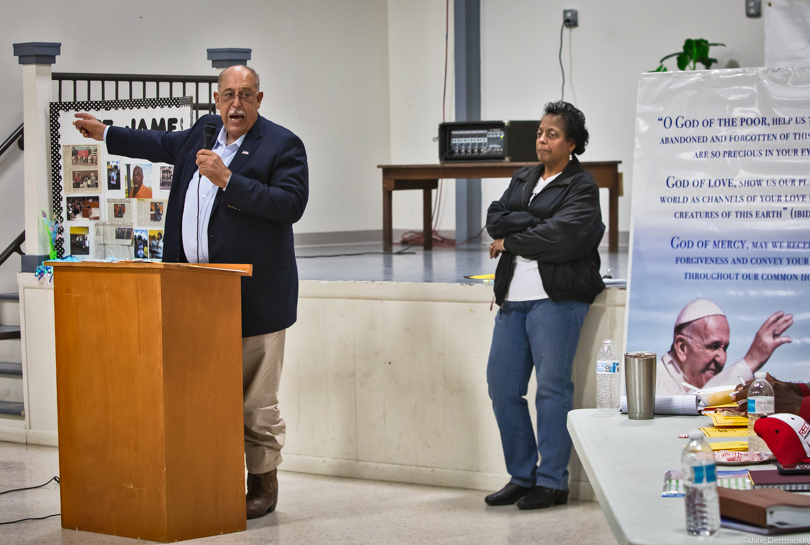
722 421
731 445
730 407
728 426
714 433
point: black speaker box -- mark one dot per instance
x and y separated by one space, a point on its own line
509 141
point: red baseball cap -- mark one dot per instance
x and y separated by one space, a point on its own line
787 435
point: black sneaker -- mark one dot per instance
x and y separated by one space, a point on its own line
507 495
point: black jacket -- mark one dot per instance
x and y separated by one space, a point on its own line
561 229
251 222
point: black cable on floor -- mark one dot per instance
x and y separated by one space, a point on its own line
56 479
32 518
478 234
401 252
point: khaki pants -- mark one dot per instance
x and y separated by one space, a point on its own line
265 430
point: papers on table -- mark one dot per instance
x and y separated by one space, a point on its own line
713 433
721 421
730 445
681 405
725 406
481 277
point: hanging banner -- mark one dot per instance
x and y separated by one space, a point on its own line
719 281
111 206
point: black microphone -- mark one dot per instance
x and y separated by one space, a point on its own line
210 133
208 143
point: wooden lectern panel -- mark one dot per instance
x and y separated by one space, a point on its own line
149 400
203 404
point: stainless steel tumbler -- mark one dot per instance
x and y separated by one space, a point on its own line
639 373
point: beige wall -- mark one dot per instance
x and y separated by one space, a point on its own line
361 80
386 380
324 68
603 58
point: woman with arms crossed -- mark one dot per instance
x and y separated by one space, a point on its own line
546 227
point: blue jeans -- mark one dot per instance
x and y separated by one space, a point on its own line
540 334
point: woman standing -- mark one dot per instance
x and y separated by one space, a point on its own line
547 228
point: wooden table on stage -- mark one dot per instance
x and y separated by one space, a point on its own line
426 178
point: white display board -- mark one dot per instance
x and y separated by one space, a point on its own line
111 206
721 207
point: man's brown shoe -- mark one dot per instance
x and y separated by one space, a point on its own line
262 494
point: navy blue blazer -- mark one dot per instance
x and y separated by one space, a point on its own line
251 222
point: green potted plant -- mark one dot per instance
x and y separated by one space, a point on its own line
694 52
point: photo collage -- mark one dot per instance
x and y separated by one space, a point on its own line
114 207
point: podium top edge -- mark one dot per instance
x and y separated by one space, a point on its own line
226 268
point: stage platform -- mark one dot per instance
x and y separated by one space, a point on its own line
367 262
385 370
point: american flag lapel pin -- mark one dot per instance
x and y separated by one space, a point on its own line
245 152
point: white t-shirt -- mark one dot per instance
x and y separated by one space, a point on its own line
526 283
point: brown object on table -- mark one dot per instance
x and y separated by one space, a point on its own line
426 178
771 478
149 384
762 507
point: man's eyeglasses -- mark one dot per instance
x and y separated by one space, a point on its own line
229 96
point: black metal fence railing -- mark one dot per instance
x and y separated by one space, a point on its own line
16 245
75 87
14 248
16 135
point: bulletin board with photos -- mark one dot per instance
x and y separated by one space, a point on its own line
111 206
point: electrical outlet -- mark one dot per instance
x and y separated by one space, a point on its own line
570 18
753 8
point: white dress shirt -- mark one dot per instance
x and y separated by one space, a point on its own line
200 197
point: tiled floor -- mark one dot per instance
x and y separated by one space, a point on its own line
317 510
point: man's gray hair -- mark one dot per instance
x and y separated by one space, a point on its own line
251 70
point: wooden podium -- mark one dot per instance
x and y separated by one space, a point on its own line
149 388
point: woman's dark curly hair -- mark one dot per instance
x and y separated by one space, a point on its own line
574 122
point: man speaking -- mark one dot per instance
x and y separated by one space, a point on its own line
699 345
236 203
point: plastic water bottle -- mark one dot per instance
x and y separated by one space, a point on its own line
607 380
700 487
760 403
